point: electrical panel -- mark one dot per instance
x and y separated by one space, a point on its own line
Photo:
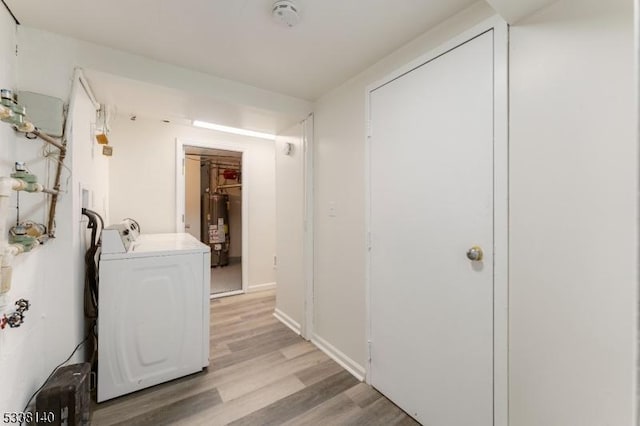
45 112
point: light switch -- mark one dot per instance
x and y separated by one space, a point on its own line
332 209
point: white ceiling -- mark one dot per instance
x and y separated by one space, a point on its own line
278 71
513 11
145 100
238 40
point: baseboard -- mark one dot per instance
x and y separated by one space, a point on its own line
288 321
225 294
334 353
261 287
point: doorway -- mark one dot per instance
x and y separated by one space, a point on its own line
438 221
213 212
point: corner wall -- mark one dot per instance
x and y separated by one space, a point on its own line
574 215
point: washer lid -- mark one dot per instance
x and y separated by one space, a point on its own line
172 244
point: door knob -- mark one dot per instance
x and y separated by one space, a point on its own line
475 254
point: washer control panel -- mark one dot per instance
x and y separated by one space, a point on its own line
119 237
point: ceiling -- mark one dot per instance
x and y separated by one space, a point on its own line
239 40
145 100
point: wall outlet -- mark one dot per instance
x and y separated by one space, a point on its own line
85 198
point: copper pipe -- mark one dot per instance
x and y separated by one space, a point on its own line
56 188
48 139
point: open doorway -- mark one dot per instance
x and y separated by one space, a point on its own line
213 212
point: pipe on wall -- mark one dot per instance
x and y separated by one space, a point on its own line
28 127
6 271
9 251
231 185
78 79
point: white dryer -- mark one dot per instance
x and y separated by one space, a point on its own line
153 309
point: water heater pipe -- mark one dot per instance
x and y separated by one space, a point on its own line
232 185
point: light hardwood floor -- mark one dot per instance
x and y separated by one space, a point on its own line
261 373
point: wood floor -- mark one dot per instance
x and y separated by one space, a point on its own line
261 373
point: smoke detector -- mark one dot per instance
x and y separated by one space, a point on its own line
285 12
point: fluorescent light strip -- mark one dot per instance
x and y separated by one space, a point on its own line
234 130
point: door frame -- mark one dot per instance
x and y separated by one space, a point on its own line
500 202
308 170
180 198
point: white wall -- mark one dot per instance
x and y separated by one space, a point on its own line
574 226
339 250
21 367
51 276
290 226
7 80
142 178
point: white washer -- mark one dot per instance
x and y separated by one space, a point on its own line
153 309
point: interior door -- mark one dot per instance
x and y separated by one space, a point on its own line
431 307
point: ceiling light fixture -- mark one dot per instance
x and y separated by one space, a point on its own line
285 12
234 130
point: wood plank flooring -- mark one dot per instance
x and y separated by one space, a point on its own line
261 373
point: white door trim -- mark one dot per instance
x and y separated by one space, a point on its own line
308 170
500 202
180 194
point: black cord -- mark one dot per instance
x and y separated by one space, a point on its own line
11 13
91 212
91 270
52 373
92 332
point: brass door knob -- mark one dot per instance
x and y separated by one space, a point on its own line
475 254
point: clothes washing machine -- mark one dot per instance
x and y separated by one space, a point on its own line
153 309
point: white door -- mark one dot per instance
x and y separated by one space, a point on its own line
431 308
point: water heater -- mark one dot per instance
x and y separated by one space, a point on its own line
215 226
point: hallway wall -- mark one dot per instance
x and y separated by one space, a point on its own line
574 215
